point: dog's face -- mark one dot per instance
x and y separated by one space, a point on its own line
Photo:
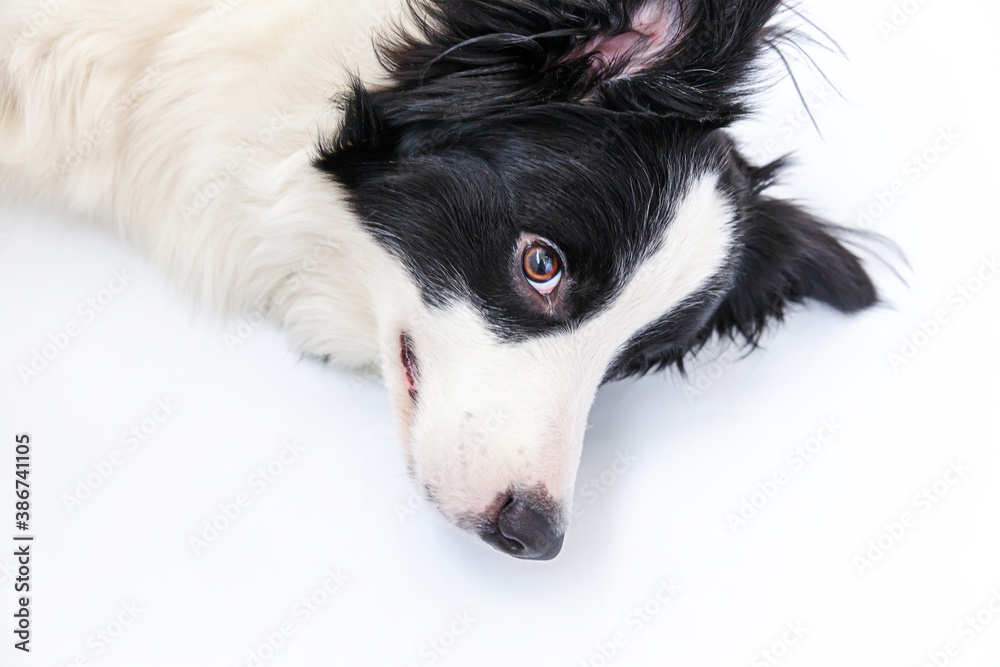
553 183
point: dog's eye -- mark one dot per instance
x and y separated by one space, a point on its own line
542 268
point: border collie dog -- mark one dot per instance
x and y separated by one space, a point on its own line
499 204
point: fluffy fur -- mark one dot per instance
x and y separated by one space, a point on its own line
371 175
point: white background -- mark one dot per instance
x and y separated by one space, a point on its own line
698 447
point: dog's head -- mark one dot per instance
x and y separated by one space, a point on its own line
552 181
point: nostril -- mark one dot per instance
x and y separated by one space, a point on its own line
504 526
516 521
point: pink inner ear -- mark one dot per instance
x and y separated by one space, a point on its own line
655 30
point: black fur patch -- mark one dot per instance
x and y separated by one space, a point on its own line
472 58
496 123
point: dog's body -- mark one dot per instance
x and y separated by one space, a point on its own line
529 199
191 126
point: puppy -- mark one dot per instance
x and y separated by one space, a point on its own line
500 204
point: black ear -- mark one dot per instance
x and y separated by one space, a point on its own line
684 58
788 256
365 143
785 255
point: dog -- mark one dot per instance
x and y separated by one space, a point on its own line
499 204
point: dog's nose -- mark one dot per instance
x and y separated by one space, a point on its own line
524 531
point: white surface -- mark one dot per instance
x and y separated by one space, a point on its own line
697 452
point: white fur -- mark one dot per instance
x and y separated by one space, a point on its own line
493 413
130 112
188 126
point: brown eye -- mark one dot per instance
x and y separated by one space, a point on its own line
542 268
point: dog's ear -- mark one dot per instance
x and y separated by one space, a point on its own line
788 256
682 58
364 144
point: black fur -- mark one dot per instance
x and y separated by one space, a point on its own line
785 255
495 124
472 58
453 211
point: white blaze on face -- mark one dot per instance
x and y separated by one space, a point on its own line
493 415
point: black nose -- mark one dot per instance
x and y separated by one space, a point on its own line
525 531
